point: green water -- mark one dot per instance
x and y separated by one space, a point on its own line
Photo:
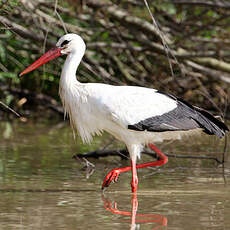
42 187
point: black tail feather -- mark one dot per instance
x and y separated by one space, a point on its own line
207 121
210 124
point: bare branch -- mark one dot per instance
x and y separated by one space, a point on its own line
10 109
213 3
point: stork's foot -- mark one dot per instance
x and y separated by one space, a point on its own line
111 176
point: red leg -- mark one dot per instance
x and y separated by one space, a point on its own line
134 181
163 159
114 173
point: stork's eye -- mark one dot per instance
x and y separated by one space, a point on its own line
64 43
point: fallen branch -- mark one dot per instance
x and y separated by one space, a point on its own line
123 153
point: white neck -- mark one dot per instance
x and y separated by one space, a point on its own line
69 85
68 75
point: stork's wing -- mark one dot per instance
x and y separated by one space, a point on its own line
182 117
129 105
142 109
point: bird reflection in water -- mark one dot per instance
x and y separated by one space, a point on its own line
158 219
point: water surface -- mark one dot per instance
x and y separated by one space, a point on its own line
42 187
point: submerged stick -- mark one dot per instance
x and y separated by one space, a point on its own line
123 153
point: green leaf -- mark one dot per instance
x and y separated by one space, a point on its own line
2 52
8 75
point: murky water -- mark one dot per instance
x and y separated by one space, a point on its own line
42 187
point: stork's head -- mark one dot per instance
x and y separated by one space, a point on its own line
69 43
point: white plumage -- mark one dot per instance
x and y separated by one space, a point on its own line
134 115
95 107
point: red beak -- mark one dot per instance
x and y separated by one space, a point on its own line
49 55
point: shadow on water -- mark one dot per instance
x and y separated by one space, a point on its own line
42 187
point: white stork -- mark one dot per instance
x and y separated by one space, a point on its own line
135 115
